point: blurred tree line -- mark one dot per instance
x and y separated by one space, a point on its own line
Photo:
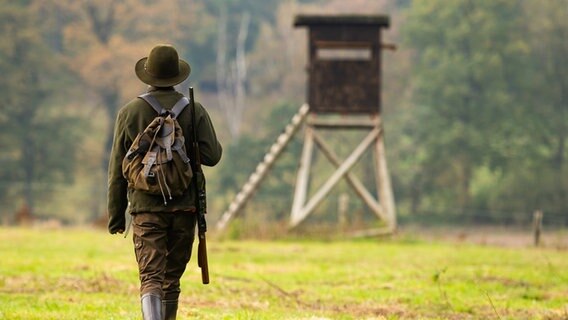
489 95
475 99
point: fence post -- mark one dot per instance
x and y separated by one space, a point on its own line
343 206
537 226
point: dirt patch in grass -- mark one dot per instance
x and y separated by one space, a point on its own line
509 237
506 281
259 301
366 310
37 284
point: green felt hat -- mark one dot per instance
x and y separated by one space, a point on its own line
162 67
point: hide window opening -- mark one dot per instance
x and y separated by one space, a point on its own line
354 51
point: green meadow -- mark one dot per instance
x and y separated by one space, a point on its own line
89 274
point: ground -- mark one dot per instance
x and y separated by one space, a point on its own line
83 273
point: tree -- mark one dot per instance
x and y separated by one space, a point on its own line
467 77
536 177
232 76
38 139
548 36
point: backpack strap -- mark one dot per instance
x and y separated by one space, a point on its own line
153 102
179 106
175 111
181 153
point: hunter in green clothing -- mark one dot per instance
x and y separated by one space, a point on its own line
163 234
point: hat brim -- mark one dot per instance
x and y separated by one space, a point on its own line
184 71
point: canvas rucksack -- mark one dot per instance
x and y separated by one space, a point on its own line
157 162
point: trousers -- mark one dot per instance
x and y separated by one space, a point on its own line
163 243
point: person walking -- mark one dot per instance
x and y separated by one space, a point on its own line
163 227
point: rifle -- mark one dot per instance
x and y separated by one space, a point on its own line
201 203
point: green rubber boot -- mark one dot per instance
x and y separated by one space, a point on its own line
170 308
151 306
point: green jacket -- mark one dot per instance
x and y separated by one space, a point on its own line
132 119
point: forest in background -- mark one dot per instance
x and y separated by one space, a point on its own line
475 101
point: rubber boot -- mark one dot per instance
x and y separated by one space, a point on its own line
170 308
151 306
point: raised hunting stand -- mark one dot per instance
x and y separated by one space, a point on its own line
344 78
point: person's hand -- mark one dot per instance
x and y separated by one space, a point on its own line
116 224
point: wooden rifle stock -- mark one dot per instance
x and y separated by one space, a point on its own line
201 201
202 258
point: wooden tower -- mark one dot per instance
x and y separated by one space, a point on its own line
344 78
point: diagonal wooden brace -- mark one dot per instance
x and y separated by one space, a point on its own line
299 216
352 180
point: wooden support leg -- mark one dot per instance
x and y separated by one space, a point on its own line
303 174
384 187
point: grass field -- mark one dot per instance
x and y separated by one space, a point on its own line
88 274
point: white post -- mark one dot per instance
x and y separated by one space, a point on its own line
384 187
303 174
342 207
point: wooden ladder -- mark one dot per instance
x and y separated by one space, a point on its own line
263 167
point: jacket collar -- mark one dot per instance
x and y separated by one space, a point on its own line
152 89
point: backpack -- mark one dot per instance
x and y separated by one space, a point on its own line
157 162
